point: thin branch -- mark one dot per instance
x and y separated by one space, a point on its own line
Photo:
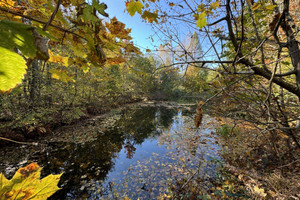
52 16
222 19
27 143
286 73
40 21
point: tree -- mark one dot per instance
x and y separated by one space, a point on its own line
251 42
75 25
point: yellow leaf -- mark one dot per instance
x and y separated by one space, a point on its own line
201 22
256 6
171 4
61 75
270 7
26 184
215 5
58 59
259 191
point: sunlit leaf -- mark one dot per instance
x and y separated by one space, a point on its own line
58 59
215 5
134 6
12 69
256 6
270 7
61 75
17 35
201 22
259 191
26 184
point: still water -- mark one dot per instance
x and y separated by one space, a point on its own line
145 152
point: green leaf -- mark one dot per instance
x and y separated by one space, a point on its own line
26 184
12 69
201 22
88 14
100 8
286 63
134 6
17 35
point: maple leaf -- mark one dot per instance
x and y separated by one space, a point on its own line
26 184
151 17
134 6
58 59
215 5
115 60
118 29
61 75
201 22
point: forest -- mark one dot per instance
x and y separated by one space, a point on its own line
89 110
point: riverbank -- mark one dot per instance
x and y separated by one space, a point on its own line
260 163
30 124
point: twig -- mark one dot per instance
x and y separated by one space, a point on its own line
52 16
27 143
40 21
289 163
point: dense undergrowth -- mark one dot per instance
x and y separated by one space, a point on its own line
261 163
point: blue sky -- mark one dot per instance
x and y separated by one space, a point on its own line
140 32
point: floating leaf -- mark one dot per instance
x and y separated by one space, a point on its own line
134 6
26 184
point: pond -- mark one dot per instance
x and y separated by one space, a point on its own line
148 151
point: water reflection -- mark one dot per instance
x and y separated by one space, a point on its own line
141 135
103 160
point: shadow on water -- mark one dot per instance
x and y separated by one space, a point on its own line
92 169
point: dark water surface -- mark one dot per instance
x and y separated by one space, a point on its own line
146 150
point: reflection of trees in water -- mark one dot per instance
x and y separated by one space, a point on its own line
140 124
82 162
93 160
166 117
130 149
